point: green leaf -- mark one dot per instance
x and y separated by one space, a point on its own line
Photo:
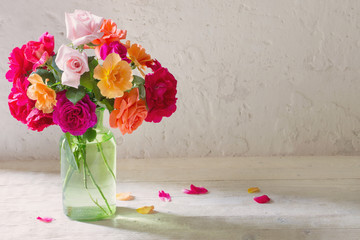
138 80
90 134
74 95
57 72
53 64
91 44
45 74
86 81
109 103
142 92
92 63
97 92
68 153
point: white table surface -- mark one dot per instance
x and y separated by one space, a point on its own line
312 198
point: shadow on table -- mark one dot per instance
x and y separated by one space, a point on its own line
175 226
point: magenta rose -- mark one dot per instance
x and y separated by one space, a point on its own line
75 119
114 47
37 120
19 104
39 52
83 27
19 66
161 92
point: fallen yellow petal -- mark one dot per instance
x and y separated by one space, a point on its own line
253 190
145 209
124 196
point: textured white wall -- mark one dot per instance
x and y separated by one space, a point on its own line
254 77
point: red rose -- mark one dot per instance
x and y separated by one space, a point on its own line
19 66
161 92
19 103
37 120
39 52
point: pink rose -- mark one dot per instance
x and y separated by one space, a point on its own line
83 27
73 63
39 52
19 104
161 92
37 120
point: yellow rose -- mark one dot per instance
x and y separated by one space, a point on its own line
115 76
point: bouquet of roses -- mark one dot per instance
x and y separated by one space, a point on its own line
65 88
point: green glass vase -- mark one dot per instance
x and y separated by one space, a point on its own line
88 171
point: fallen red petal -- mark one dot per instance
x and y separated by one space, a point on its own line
195 190
262 199
46 219
164 196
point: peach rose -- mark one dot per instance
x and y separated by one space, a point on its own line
45 97
115 76
129 113
138 55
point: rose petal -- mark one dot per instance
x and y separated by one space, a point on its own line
124 196
195 190
70 79
199 190
187 191
45 220
253 190
145 210
262 199
165 197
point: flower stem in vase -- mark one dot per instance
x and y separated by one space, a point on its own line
104 158
87 169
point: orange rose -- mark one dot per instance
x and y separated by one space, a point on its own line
129 113
111 34
45 97
138 55
115 76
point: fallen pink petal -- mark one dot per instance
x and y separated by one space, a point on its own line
46 219
262 199
165 197
195 190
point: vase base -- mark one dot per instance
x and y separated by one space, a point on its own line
92 213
